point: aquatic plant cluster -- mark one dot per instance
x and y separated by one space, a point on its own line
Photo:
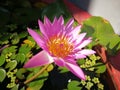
29 58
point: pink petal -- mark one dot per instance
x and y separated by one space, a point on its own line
74 32
47 22
79 56
80 37
76 70
39 59
36 37
55 20
84 43
69 24
70 60
43 29
57 26
59 62
86 52
77 30
83 53
61 20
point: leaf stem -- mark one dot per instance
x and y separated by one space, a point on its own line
37 74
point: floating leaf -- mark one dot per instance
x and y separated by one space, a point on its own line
74 85
100 68
50 68
22 34
20 73
39 81
4 38
20 57
63 69
11 49
30 43
98 28
81 61
24 49
2 60
2 75
11 65
37 84
15 38
15 87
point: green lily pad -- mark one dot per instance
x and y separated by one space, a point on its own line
15 38
37 83
50 68
2 75
20 57
11 49
102 33
24 49
2 60
11 65
74 85
23 34
20 73
15 87
100 68
63 69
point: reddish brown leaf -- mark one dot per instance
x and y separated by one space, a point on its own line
115 60
79 14
113 66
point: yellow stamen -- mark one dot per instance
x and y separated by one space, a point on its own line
59 46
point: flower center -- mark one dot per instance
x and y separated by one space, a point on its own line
59 46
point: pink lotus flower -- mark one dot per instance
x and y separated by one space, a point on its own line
61 44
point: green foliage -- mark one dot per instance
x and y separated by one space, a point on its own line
2 74
55 9
20 58
16 46
100 67
2 60
91 83
93 63
12 77
98 28
15 38
15 87
94 68
74 85
39 81
20 73
11 65
63 69
50 68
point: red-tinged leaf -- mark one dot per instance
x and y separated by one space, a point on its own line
115 69
112 64
101 51
115 61
79 14
115 75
